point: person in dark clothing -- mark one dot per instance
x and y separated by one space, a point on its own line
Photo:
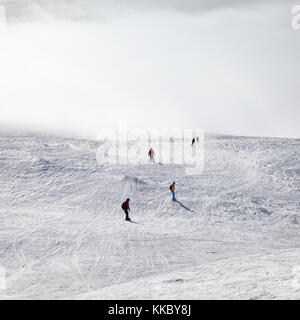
125 207
193 141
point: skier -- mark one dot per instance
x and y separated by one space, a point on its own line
125 207
151 154
172 188
197 139
193 141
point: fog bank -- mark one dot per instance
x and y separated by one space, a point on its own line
216 65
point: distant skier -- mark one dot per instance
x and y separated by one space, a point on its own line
151 154
193 141
172 188
197 139
125 207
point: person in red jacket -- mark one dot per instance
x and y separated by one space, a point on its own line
193 141
125 207
151 154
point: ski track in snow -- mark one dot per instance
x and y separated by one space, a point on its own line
63 234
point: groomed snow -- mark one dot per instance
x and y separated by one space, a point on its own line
233 234
268 276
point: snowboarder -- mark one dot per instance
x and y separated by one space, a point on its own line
125 207
172 188
151 154
193 141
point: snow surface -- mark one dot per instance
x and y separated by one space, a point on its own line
234 234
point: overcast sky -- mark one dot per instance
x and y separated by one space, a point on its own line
226 66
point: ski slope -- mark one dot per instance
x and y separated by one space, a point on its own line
233 234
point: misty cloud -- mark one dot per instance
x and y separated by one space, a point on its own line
229 68
80 10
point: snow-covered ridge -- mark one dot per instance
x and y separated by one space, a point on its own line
63 234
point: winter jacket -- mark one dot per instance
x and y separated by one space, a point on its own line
125 205
151 153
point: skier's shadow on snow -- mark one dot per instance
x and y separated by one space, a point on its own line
135 222
183 206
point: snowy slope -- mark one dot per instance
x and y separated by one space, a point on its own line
63 235
266 276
